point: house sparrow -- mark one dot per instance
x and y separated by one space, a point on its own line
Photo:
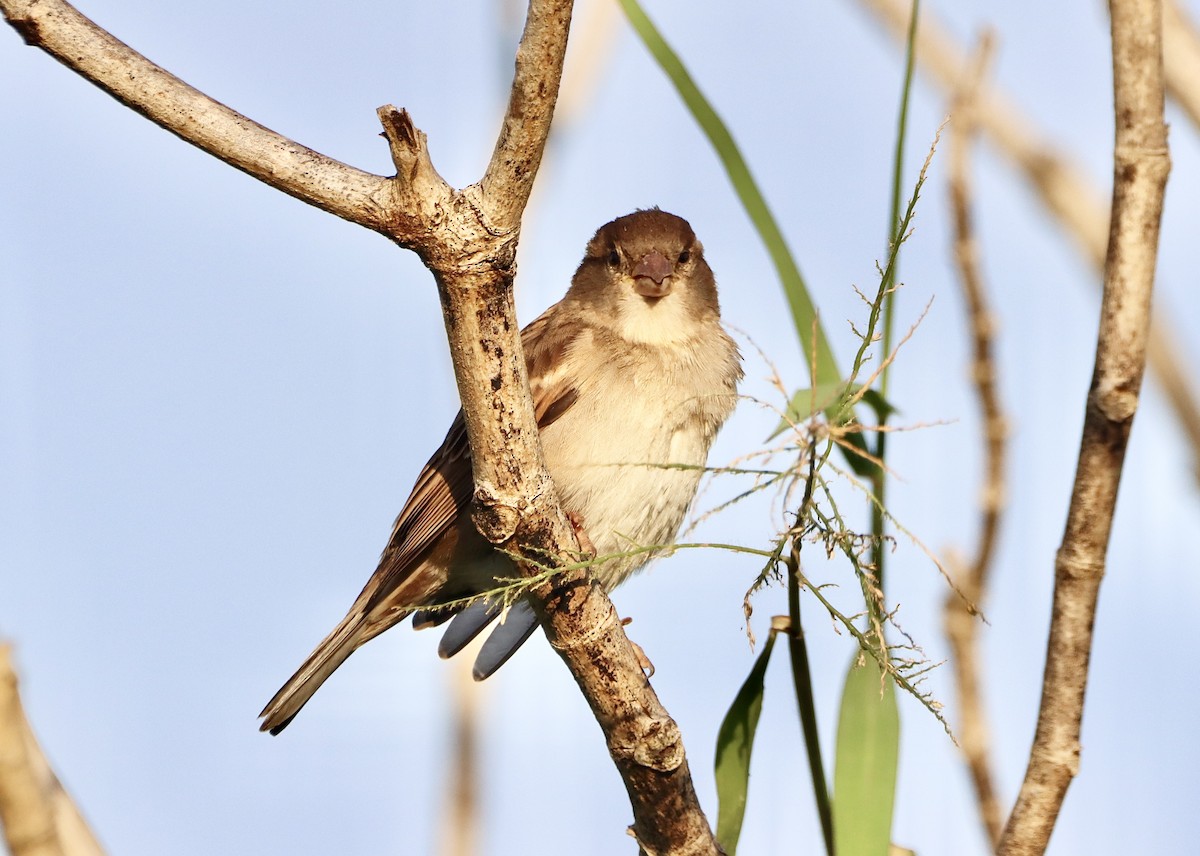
631 370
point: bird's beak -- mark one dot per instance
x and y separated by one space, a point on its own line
650 275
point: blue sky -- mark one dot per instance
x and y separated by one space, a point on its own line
213 401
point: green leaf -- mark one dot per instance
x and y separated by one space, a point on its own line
868 749
734 741
882 407
807 402
813 340
802 683
863 466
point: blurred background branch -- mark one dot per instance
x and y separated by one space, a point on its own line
462 813
963 609
1066 192
1181 59
38 816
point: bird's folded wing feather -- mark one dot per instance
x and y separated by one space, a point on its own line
444 487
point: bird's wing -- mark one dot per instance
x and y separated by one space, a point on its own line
444 487
551 383
440 496
442 491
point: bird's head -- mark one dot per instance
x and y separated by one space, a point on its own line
646 277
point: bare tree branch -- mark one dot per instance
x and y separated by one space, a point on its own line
961 610
75 41
509 178
1140 169
468 240
38 816
1063 189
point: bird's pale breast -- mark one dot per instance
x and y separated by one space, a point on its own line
627 456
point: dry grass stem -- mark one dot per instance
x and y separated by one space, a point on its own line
960 613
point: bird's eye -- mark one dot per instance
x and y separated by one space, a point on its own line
685 257
614 258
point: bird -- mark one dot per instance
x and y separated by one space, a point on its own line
632 374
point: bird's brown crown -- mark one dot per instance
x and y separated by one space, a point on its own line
643 231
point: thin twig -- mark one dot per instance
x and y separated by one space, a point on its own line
960 613
1141 164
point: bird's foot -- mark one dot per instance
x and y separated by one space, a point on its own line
643 660
585 543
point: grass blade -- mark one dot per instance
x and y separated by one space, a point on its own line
895 235
868 750
734 742
802 683
808 326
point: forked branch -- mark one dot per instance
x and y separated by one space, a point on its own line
468 239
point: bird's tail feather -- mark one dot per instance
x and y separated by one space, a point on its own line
466 626
518 625
321 663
